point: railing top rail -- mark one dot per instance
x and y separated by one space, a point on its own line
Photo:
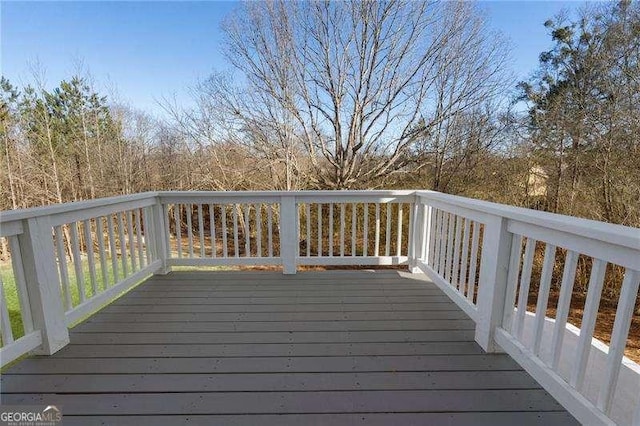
21 214
13 215
338 196
323 193
614 234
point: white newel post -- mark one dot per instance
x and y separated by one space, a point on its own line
417 236
160 238
494 267
288 233
43 287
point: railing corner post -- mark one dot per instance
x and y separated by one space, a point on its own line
43 287
160 237
492 284
288 234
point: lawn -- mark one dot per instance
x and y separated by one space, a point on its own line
11 291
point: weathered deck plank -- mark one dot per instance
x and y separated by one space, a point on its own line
370 419
274 337
42 365
237 382
255 326
246 348
292 300
294 402
269 349
311 307
278 316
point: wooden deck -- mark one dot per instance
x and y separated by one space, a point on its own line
261 348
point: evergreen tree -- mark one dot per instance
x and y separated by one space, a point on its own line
584 109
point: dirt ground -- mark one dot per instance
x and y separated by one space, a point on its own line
604 322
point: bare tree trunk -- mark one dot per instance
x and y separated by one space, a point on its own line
92 187
52 157
12 189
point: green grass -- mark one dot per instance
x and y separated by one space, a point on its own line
11 292
13 302
11 296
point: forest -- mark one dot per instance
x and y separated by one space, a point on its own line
339 96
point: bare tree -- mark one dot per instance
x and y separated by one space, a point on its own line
226 123
359 80
8 141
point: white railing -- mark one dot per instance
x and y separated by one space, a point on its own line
287 228
592 380
69 260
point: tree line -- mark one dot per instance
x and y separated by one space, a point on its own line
357 95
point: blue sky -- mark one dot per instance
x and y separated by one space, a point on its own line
147 49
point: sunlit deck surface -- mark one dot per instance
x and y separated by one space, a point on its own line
262 348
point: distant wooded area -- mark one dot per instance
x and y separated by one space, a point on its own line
359 95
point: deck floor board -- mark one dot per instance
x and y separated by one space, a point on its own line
246 348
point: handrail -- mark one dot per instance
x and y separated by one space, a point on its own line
21 214
592 380
321 193
616 234
71 259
